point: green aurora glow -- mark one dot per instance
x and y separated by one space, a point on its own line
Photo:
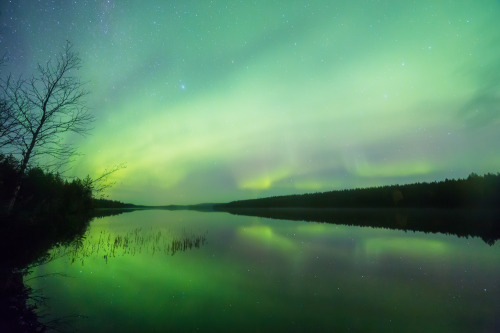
262 272
209 101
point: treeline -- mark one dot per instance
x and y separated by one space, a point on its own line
47 196
106 203
49 210
43 195
473 192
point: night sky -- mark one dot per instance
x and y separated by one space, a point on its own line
213 101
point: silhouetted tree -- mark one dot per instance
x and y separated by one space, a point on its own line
100 184
41 110
475 191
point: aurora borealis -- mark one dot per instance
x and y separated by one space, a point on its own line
210 101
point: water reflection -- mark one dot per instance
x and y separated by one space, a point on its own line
463 223
106 244
256 274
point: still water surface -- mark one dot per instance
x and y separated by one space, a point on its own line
259 274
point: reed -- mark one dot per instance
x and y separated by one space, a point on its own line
107 245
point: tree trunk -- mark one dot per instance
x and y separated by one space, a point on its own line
22 170
14 198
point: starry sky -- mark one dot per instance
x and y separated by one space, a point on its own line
213 101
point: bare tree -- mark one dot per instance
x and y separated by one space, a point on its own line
42 109
11 130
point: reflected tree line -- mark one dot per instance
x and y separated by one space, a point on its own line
463 223
463 207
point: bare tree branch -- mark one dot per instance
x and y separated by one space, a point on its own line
99 185
36 114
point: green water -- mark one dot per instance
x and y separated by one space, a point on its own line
258 274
